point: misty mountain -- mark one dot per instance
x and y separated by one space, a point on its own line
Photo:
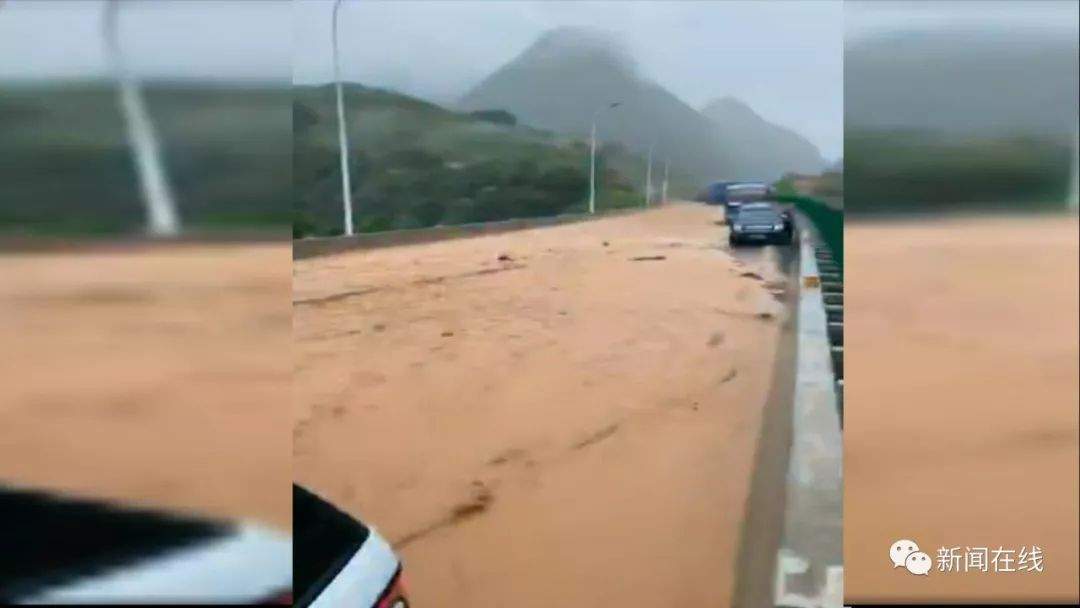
569 73
763 143
1015 82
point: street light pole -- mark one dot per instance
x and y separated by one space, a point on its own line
343 141
663 190
592 156
592 168
161 216
1074 187
648 178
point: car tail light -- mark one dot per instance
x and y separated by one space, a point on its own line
285 599
394 597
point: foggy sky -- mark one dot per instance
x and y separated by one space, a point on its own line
782 58
785 59
232 40
868 18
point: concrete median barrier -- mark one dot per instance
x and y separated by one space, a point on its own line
314 247
809 569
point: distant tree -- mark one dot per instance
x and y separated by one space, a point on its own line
499 117
303 117
429 213
416 159
524 172
614 148
567 184
302 224
376 223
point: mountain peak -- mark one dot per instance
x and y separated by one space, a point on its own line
729 107
577 36
739 124
560 82
579 44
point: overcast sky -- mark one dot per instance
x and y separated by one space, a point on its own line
237 40
782 58
865 18
785 59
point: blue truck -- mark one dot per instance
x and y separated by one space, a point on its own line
716 193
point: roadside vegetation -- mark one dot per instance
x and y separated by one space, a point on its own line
414 164
66 169
821 200
899 172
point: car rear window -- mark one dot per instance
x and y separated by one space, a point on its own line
763 216
747 192
324 539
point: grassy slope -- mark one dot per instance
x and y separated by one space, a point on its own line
65 167
416 164
919 171
959 119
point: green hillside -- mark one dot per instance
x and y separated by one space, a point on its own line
955 119
892 172
415 164
65 167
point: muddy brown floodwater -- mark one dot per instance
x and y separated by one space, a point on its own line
150 374
541 417
961 422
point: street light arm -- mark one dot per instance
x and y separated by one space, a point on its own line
334 39
610 106
161 214
343 137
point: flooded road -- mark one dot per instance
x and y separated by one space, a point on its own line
962 349
581 404
154 374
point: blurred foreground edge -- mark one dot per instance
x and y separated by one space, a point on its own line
61 550
340 561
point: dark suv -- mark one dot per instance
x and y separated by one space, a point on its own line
739 194
762 223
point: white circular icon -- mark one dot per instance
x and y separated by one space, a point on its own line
900 550
918 563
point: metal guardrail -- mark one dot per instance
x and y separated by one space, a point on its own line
809 565
832 288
